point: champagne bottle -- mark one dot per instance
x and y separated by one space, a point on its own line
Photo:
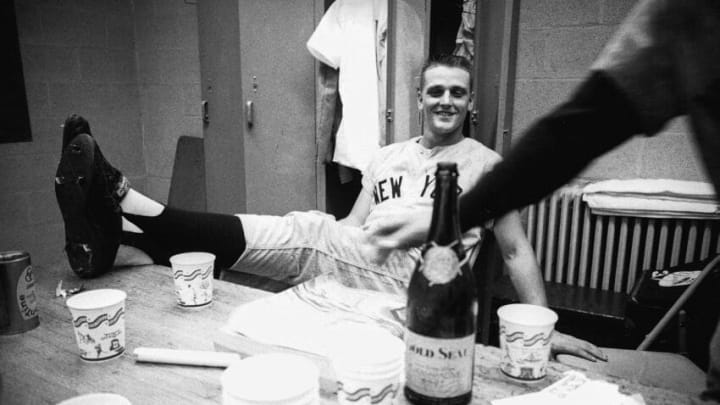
441 307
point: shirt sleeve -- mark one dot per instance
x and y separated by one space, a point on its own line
640 59
369 174
325 43
490 159
597 118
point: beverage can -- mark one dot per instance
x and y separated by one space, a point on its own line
18 302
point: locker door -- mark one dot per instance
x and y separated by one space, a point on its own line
278 80
406 51
219 46
261 131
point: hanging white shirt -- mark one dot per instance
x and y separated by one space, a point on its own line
345 39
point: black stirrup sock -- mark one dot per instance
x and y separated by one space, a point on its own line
152 248
176 231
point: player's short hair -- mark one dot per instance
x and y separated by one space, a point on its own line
454 61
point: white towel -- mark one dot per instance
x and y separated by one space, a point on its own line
651 208
653 198
695 190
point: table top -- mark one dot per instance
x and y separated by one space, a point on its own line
42 366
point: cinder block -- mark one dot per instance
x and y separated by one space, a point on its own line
559 53
37 99
119 132
22 173
66 26
107 66
54 37
45 243
16 237
114 7
49 63
156 32
126 152
187 21
571 51
46 138
14 210
44 209
191 64
193 126
77 97
120 120
29 23
158 188
139 183
192 98
532 44
559 13
143 8
124 66
672 156
615 11
533 98
160 153
121 99
620 163
95 65
162 66
160 103
121 32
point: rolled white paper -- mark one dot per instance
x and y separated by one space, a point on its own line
185 357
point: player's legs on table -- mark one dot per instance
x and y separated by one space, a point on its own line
88 191
301 245
101 212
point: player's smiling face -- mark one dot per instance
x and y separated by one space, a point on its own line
445 100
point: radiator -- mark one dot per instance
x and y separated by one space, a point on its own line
578 248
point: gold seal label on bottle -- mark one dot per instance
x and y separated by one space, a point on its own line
440 265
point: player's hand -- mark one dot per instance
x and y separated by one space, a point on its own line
566 344
398 228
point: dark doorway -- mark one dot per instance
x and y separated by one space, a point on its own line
15 126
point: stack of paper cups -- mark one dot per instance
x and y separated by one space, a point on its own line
271 379
368 363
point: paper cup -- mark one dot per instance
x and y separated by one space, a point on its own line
271 379
193 275
96 399
525 333
98 318
368 363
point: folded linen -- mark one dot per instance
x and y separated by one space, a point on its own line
651 207
683 189
652 198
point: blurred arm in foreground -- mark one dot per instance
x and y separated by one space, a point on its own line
662 63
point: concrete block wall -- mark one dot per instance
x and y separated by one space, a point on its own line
169 84
131 68
558 41
78 57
